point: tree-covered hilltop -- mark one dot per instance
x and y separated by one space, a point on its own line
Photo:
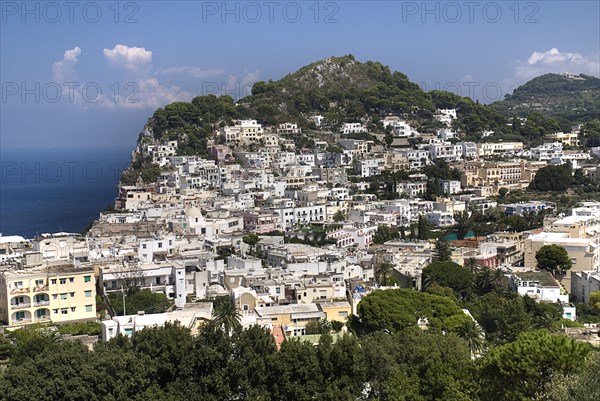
574 98
340 88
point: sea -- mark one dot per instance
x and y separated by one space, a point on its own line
57 189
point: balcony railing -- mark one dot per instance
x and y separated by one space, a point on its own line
20 306
23 320
40 288
19 290
41 303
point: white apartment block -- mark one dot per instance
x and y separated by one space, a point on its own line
490 148
244 131
353 128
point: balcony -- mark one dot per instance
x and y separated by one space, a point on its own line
20 306
40 288
19 290
41 303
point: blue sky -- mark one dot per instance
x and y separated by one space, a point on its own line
56 59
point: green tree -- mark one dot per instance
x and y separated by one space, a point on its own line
472 333
423 228
384 273
396 310
553 258
339 216
384 233
227 317
251 239
448 274
442 250
552 178
581 386
464 224
595 302
521 370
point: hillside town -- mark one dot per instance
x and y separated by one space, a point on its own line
294 235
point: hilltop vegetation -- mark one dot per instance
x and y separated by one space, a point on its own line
345 90
573 99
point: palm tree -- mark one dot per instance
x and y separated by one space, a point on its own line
226 316
384 272
472 333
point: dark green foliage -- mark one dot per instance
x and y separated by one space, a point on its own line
521 370
396 310
581 386
385 233
442 250
449 274
573 100
502 319
553 258
75 329
552 178
142 300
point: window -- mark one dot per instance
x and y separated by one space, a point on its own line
71 279
72 294
63 281
63 295
53 281
72 308
54 296
143 246
88 293
55 311
160 244
64 311
20 315
39 282
88 308
18 284
87 279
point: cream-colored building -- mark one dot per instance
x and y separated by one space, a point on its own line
566 138
491 148
510 174
338 311
56 293
583 252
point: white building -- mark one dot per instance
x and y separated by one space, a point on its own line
245 131
353 128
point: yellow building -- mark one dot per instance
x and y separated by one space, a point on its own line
566 138
336 310
291 318
55 293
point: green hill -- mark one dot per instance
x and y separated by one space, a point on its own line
573 98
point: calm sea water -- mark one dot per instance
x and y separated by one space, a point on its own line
51 190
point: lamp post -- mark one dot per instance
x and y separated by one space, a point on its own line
123 293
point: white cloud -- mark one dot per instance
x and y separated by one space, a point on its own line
64 69
195 72
554 61
136 59
149 93
241 85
